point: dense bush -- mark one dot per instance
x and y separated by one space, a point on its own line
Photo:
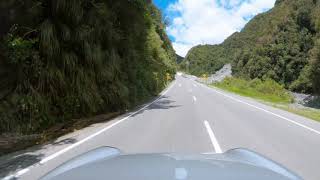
77 58
283 58
283 51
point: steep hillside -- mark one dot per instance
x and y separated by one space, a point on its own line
179 59
279 45
282 44
205 59
69 59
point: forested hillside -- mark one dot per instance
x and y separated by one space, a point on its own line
282 44
179 59
65 59
205 59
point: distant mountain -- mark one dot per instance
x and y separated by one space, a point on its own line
205 59
282 44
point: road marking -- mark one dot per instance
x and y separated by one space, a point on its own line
213 138
23 171
194 85
194 99
19 173
190 90
264 110
180 85
43 161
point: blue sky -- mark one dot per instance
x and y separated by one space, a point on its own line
163 4
194 22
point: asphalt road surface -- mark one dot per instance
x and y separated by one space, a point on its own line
188 118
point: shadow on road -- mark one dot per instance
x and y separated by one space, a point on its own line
161 104
65 141
11 163
18 162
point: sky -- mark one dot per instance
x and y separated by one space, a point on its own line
194 22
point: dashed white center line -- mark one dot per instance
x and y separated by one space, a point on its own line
194 99
213 138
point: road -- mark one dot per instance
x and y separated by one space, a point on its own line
192 118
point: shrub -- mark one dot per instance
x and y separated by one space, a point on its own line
267 89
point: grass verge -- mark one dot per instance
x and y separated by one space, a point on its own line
266 90
306 112
270 92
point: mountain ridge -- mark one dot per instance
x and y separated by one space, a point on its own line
281 44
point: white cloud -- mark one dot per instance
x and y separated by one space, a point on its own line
181 48
210 21
230 3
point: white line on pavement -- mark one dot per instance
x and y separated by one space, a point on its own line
213 138
269 112
43 161
194 85
180 84
19 173
194 99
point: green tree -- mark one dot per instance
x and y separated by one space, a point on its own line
315 67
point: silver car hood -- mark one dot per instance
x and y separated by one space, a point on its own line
110 164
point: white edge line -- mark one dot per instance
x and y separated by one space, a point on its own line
17 174
43 161
213 138
23 171
274 114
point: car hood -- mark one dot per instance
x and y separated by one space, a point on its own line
235 164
